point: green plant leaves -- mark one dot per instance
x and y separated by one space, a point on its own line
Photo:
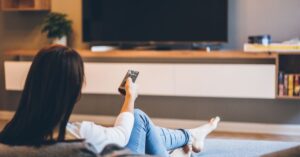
56 25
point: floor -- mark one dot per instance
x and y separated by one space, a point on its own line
253 136
234 135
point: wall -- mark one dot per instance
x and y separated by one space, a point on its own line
281 19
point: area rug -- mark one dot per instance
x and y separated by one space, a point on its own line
242 148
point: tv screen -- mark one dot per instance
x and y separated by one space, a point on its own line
113 21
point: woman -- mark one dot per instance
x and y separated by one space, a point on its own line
52 88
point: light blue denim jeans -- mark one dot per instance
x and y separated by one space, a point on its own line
146 138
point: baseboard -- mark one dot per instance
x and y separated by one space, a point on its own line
260 128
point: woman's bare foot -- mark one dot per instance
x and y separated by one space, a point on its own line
199 134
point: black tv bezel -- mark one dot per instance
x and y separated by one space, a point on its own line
151 42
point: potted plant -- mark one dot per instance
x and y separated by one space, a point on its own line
57 27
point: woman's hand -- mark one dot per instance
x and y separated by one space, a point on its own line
131 89
131 95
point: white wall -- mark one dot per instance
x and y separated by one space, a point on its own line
279 18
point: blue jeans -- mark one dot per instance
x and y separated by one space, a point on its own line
146 138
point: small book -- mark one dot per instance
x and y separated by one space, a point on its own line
297 85
290 85
286 83
281 84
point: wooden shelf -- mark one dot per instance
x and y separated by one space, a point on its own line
288 63
25 5
178 54
289 97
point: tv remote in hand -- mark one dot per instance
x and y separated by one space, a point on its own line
133 75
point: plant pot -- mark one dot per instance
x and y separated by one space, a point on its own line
60 41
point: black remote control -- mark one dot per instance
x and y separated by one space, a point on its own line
133 75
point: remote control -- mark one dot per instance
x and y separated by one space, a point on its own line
131 73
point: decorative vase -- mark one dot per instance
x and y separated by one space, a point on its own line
60 41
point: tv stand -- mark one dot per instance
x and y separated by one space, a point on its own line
255 72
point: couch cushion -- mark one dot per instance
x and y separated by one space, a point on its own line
74 149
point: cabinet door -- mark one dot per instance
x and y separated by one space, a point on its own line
105 78
225 80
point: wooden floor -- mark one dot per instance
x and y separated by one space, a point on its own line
232 135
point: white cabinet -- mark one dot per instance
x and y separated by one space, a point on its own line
225 80
194 80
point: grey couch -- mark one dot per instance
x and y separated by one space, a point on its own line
81 149
77 149
74 149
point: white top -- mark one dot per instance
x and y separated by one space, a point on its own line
100 136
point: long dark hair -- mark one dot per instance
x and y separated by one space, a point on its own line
52 88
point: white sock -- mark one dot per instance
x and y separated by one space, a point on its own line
199 134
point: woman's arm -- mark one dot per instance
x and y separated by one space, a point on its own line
131 95
100 136
121 131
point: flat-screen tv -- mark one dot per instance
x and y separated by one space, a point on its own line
142 21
